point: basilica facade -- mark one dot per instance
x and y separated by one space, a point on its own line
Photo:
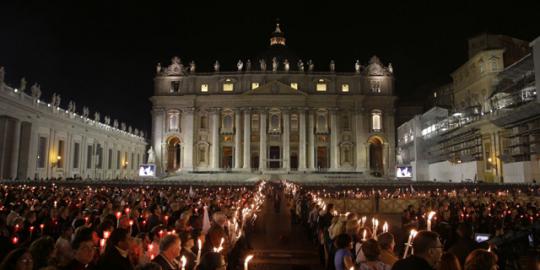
274 113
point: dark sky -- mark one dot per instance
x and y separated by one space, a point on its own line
103 55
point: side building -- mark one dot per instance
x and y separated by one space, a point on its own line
40 139
494 140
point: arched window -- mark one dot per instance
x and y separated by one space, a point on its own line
274 123
493 63
376 120
375 86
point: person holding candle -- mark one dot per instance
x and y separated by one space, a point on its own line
427 253
343 258
372 251
187 244
212 261
387 244
84 250
116 251
169 251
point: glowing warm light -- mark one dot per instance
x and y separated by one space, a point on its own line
184 261
246 261
430 216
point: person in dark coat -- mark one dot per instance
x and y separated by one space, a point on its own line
169 251
428 250
465 244
83 250
116 252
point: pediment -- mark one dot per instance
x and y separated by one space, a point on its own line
274 88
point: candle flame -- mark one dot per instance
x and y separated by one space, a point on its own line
431 214
184 261
385 227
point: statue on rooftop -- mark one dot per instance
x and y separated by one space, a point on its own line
86 112
35 90
300 65
158 68
216 66
240 65
274 64
263 64
107 120
311 66
176 67
390 68
2 75
115 123
357 66
97 117
22 87
192 67
248 65
286 65
57 102
332 66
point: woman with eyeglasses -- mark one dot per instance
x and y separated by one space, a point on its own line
212 261
18 259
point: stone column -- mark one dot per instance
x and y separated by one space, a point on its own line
237 139
302 140
386 156
286 163
262 150
16 146
159 146
360 140
214 150
188 115
334 133
247 139
311 140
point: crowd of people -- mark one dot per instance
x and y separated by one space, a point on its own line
508 218
125 227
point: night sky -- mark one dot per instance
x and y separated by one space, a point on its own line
104 55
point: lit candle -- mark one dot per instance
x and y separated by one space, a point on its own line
31 231
41 226
184 261
106 234
102 244
14 240
55 204
127 210
364 234
385 227
118 215
430 216
199 244
166 220
246 261
408 245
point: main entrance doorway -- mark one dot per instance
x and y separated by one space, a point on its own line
174 154
322 157
376 156
227 157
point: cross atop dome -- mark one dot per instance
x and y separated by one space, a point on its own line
277 38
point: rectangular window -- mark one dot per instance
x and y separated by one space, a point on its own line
118 157
42 152
321 87
89 155
60 155
294 86
76 154
254 85
99 156
110 159
175 86
345 87
204 87
228 87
